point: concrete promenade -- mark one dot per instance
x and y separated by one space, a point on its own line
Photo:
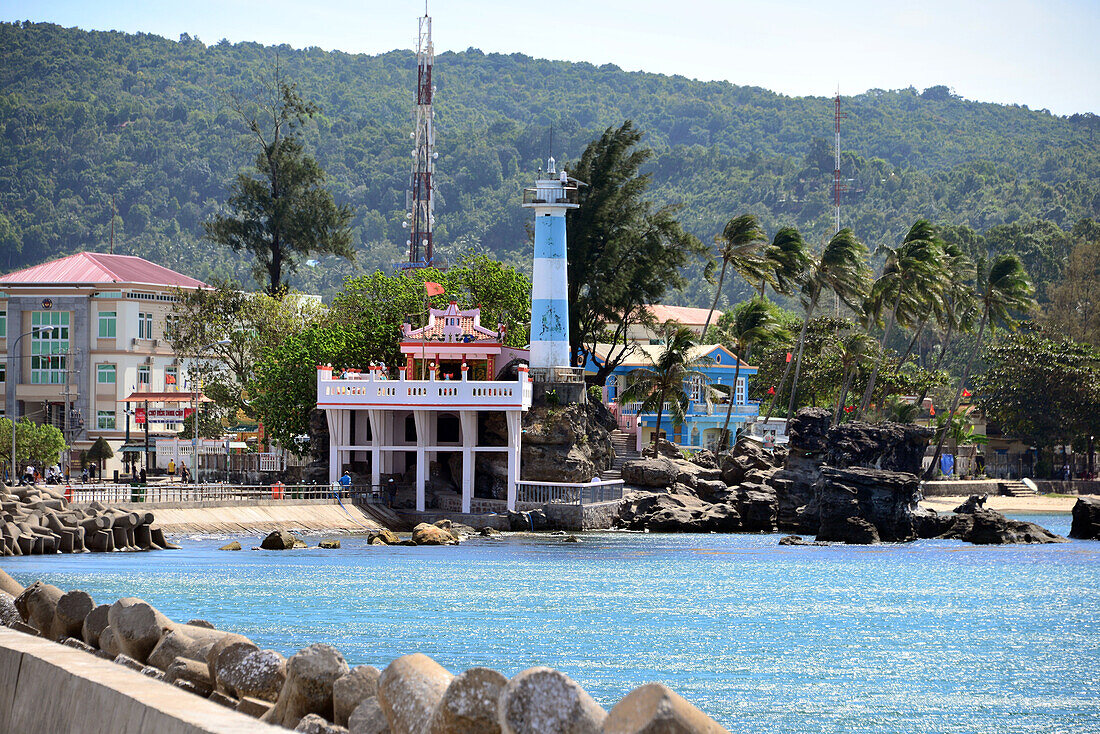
257 516
48 688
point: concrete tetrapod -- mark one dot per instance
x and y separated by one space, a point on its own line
138 626
351 690
94 622
37 605
409 689
310 673
542 700
657 709
368 718
470 704
68 620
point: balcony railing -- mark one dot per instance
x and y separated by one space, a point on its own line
374 391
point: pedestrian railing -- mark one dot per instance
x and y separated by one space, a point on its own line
241 493
604 490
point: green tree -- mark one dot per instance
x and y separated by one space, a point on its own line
958 303
854 348
36 443
789 261
1004 290
283 212
1074 308
741 245
664 382
752 323
210 424
99 452
625 252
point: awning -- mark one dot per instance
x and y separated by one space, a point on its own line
166 397
133 449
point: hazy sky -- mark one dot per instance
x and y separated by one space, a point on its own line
1041 53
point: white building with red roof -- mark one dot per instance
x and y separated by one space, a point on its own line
78 335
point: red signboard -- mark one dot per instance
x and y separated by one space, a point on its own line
161 415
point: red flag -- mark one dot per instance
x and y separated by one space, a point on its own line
433 289
169 379
771 391
788 356
931 410
966 393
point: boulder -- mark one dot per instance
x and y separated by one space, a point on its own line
425 534
1086 519
384 537
677 512
794 540
310 673
314 724
409 690
989 527
329 544
875 497
656 709
469 705
282 540
794 483
72 609
541 700
705 458
9 585
973 503
664 448
94 624
368 718
138 627
350 690
37 605
234 546
655 472
745 456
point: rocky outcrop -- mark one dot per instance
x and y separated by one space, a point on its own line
677 511
758 507
39 520
425 534
897 447
985 527
745 456
866 505
282 540
1086 519
794 483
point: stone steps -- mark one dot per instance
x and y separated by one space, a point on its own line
1017 489
623 443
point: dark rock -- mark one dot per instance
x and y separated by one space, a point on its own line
384 536
878 498
794 483
745 456
712 490
314 724
1086 519
758 507
656 472
677 513
282 540
705 458
890 446
793 540
234 546
989 527
663 448
930 524
329 544
973 503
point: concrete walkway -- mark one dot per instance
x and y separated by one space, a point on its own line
235 518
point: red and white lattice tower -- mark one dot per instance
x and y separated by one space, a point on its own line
420 199
838 186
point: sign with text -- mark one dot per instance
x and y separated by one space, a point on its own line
161 415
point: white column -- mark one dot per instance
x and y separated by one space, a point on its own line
333 415
513 419
421 418
468 419
376 417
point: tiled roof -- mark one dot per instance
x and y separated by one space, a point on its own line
435 331
95 268
686 315
465 327
644 355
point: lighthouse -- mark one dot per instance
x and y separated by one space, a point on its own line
552 196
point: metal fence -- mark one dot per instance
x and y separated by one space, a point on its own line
542 493
242 493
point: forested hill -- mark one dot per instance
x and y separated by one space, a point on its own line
87 116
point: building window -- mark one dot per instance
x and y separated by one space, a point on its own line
171 321
105 420
171 378
107 324
695 387
741 400
105 374
3 324
145 326
143 375
49 347
3 372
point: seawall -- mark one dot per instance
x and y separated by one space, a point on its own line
47 688
256 516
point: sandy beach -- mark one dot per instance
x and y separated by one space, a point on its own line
1042 503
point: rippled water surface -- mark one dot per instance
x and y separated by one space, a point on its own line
935 636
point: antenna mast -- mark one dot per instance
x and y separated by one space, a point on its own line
838 187
420 203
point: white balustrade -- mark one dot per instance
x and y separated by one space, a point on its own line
377 392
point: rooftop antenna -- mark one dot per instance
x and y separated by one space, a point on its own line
420 201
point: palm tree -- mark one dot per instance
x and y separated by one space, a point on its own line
853 348
912 275
899 410
664 381
959 302
739 245
788 262
842 268
752 323
1003 288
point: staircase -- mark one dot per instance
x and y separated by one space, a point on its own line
1015 488
623 443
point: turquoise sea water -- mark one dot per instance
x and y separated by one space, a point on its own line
934 636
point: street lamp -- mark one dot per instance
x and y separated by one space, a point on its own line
11 372
195 410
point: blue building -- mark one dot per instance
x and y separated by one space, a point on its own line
702 426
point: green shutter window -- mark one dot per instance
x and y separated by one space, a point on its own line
108 324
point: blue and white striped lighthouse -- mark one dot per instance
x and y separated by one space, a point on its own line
553 195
